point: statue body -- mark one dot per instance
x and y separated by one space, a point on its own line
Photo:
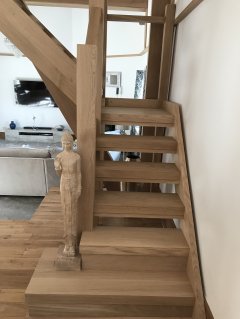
68 166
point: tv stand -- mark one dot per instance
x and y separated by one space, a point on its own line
33 135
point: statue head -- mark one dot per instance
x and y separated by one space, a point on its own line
67 141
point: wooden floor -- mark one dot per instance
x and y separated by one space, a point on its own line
21 245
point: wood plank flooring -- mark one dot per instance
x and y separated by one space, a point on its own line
21 245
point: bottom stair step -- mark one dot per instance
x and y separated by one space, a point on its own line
106 294
134 248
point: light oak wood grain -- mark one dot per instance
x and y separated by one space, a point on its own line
21 245
134 241
137 116
153 69
167 51
132 103
138 205
107 293
96 35
137 172
67 107
131 143
86 119
138 5
187 225
136 19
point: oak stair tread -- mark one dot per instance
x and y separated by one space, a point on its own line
137 116
138 205
99 287
134 241
131 143
137 172
135 18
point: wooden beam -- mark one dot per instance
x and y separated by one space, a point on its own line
96 35
39 45
153 68
155 50
167 51
136 19
192 5
66 106
86 130
137 5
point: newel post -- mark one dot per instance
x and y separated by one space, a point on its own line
86 130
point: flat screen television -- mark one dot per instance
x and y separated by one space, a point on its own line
32 93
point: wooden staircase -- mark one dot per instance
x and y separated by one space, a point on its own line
131 271
128 270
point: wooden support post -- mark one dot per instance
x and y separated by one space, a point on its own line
153 69
86 129
97 35
155 50
167 51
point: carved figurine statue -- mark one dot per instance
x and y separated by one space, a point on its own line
68 167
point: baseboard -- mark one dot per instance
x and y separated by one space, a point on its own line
209 314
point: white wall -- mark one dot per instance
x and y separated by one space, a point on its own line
123 39
206 82
69 26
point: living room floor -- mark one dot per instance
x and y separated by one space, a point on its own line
18 207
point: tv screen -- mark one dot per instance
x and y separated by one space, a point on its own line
32 93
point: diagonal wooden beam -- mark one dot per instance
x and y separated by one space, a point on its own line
67 107
39 45
138 5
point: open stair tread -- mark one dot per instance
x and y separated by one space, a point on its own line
138 116
137 172
144 144
99 287
138 205
134 241
135 18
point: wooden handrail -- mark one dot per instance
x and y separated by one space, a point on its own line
192 5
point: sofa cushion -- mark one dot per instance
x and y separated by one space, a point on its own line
25 152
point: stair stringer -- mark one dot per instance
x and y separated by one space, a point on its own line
54 62
187 224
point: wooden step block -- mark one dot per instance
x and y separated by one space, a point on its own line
106 294
137 172
131 143
133 248
137 116
131 103
138 205
134 241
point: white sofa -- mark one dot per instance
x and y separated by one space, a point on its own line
26 172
